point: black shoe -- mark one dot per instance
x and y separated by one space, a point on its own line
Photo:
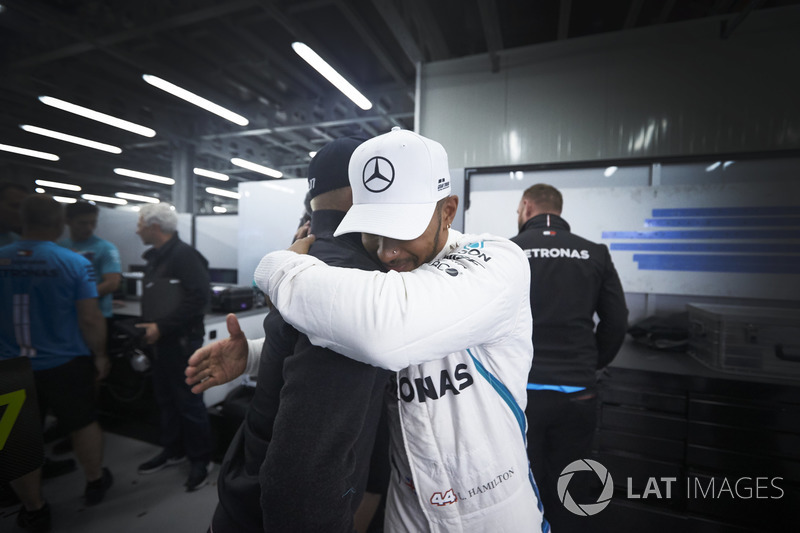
96 490
198 476
51 468
159 462
35 521
7 496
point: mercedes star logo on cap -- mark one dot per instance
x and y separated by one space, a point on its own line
378 174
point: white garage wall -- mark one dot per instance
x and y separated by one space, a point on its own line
217 238
269 213
674 90
118 225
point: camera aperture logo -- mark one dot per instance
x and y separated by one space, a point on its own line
585 509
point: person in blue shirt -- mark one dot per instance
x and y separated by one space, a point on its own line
104 256
48 299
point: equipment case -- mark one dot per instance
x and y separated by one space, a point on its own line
226 298
761 341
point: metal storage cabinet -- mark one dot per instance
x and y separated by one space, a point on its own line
666 415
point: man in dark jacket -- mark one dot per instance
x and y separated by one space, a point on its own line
176 291
300 460
571 279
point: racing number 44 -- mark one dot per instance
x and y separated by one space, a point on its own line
444 499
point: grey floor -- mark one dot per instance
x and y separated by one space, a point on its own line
135 503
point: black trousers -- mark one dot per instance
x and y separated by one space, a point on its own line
560 430
185 427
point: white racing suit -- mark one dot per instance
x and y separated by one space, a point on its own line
458 332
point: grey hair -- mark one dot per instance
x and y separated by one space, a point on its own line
161 214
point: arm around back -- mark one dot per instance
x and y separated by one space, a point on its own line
393 320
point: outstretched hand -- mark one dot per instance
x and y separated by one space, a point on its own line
301 246
219 362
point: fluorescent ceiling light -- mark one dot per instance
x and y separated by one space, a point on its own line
96 115
104 199
57 185
144 176
64 199
219 209
222 192
713 166
211 174
610 171
330 74
256 168
726 164
192 98
39 190
137 198
71 139
29 153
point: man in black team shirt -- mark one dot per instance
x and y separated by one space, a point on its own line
300 460
571 280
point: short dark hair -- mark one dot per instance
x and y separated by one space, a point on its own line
41 211
545 197
81 208
6 185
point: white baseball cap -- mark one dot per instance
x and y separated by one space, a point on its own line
396 178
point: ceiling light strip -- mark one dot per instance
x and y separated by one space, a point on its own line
28 152
144 176
211 174
97 116
71 139
223 192
330 74
192 98
137 198
64 199
256 167
57 185
104 199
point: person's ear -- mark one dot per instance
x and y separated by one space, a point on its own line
449 210
528 209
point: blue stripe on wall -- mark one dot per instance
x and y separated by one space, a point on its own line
774 211
704 234
722 222
782 264
738 247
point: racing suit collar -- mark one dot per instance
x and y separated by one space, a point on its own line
547 220
452 243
